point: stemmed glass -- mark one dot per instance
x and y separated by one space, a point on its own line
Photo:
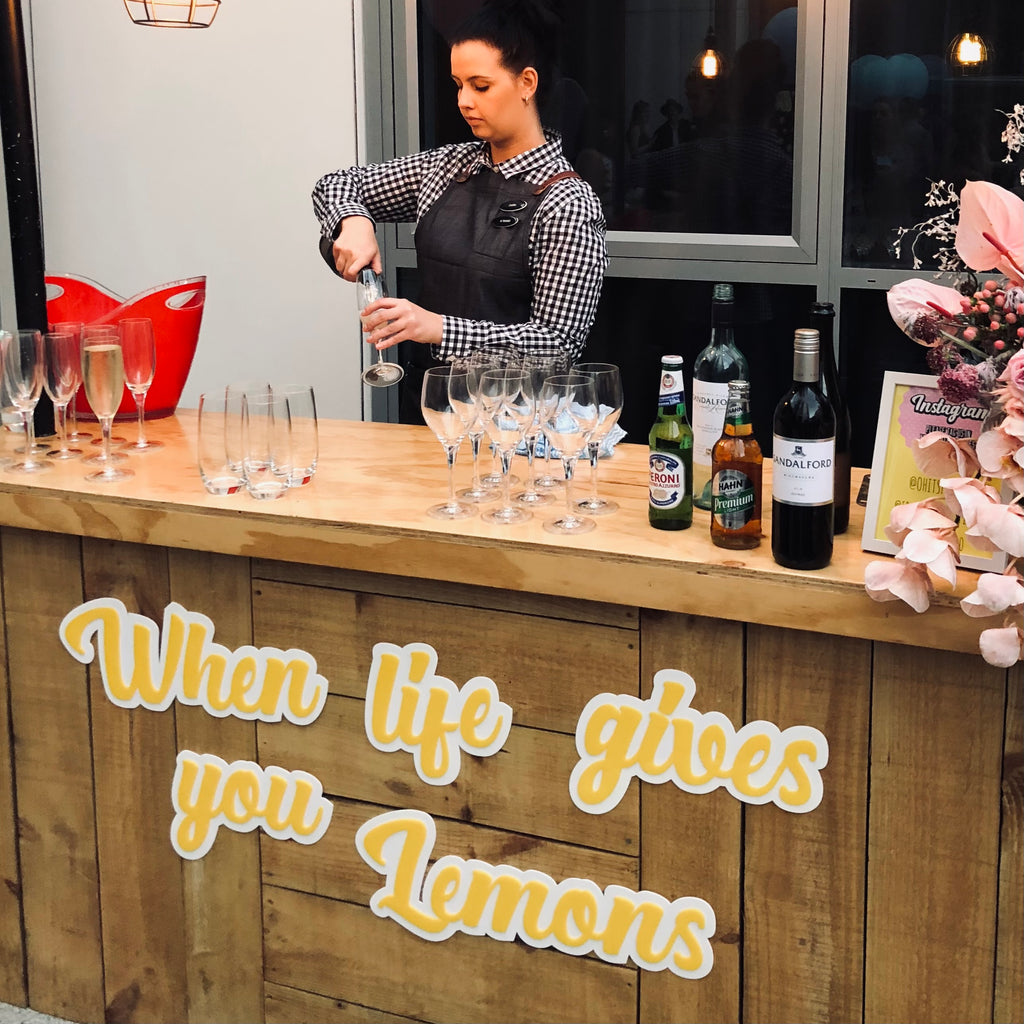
546 480
608 386
477 490
74 328
103 375
63 377
507 409
138 348
446 404
537 369
24 370
98 334
370 287
568 417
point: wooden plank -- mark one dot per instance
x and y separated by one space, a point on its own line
522 788
692 845
223 911
12 943
133 761
50 722
525 655
933 844
466 595
346 952
1009 994
803 879
287 1005
332 867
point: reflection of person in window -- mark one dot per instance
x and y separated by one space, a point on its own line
638 131
674 129
509 239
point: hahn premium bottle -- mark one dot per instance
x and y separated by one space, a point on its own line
823 317
736 476
718 364
803 463
670 500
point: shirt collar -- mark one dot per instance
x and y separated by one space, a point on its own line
540 157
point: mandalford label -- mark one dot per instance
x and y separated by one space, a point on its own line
709 402
803 471
668 480
732 499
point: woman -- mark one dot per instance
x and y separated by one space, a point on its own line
509 239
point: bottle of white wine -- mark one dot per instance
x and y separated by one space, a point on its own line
803 465
718 364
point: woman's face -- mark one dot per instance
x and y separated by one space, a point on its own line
494 101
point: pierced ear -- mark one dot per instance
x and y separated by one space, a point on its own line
528 79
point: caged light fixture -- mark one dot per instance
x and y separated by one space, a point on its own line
709 62
172 13
968 52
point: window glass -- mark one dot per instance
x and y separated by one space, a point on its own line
915 115
666 147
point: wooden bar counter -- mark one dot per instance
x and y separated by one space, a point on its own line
899 897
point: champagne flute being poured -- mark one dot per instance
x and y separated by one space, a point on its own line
370 287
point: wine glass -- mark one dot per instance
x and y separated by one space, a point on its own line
63 377
74 327
494 357
138 348
446 404
546 480
103 376
568 417
24 371
507 407
475 367
96 334
370 287
537 370
608 385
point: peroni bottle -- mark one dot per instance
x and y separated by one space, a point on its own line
823 317
670 496
803 462
736 476
718 364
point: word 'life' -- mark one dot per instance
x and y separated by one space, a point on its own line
143 665
409 707
207 793
663 739
574 916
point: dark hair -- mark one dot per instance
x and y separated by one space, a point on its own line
524 32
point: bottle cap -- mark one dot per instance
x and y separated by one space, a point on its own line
739 388
722 293
672 360
805 340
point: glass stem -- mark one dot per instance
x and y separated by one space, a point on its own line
450 451
62 426
531 451
594 451
140 404
506 476
474 442
30 437
105 424
568 465
74 413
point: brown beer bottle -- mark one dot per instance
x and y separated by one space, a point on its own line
736 476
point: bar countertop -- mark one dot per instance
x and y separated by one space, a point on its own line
365 511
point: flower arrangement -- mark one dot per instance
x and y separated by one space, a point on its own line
975 343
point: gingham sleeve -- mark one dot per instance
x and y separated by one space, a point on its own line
568 261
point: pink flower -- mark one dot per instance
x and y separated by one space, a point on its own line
931 514
1013 374
994 594
1001 450
990 234
938 454
997 527
964 495
915 298
898 579
1002 647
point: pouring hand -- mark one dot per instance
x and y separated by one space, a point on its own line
356 247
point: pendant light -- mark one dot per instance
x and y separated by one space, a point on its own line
709 63
172 13
968 52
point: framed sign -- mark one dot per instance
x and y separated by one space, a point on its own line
912 405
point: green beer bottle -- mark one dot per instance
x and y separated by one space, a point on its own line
670 500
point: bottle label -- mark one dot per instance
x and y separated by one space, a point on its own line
671 393
803 470
667 480
732 499
709 404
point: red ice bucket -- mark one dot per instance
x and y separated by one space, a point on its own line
176 310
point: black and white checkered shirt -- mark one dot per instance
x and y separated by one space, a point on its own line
567 251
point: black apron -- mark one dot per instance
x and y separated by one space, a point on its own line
472 253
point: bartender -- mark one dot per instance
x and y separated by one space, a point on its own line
509 239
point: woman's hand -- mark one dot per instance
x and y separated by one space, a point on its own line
356 247
386 322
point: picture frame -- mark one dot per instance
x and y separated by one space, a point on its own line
911 406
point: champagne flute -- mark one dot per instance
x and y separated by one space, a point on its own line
546 480
24 370
569 415
608 385
537 370
138 349
446 404
95 334
103 375
507 408
63 377
495 357
475 430
370 287
74 327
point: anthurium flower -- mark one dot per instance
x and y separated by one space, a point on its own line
1001 452
990 233
995 593
1002 647
898 579
938 454
915 298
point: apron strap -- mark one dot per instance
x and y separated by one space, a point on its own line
560 176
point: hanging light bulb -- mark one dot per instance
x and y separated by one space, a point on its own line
709 62
172 13
968 52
